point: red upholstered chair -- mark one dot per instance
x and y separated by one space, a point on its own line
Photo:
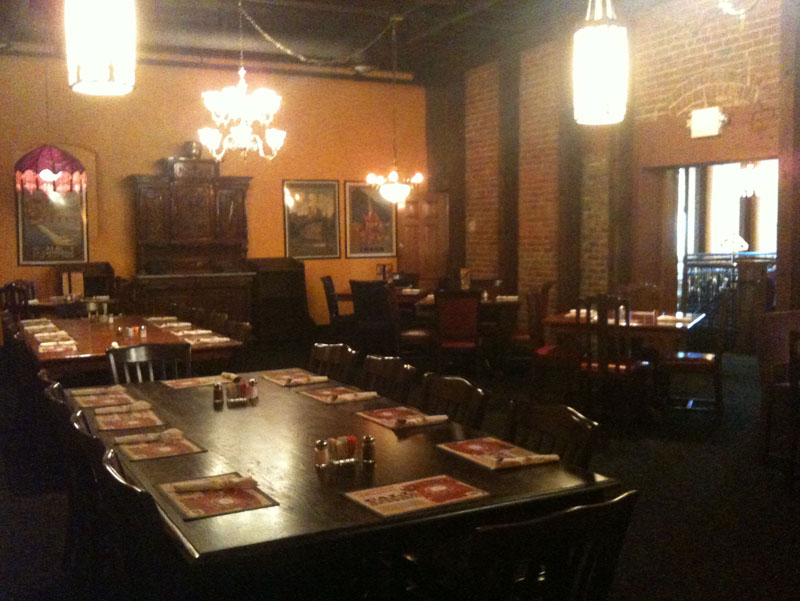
530 344
457 333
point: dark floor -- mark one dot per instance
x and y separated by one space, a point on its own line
712 523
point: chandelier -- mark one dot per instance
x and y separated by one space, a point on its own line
101 46
600 67
242 120
392 187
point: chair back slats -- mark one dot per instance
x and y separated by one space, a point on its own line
553 429
376 317
332 360
330 297
457 397
570 555
604 333
391 377
150 362
457 315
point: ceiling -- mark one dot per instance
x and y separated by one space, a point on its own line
431 31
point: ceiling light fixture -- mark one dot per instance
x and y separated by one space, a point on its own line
101 46
392 187
238 112
600 66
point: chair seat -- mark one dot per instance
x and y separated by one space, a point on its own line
548 350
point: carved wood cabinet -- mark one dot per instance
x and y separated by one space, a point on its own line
190 220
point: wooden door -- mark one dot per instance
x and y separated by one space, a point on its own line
423 237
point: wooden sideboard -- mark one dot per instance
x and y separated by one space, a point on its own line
190 219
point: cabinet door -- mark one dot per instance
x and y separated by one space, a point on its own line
152 203
231 215
193 212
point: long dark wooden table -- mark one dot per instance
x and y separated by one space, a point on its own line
274 442
94 336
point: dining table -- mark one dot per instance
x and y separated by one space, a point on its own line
665 333
91 336
273 439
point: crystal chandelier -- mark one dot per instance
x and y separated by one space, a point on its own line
392 187
600 66
243 115
101 46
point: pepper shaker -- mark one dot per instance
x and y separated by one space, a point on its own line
252 391
368 450
321 457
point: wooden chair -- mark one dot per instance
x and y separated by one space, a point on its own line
149 362
609 378
15 299
457 333
150 552
198 316
568 555
375 318
691 362
238 330
459 398
216 321
28 286
342 327
553 429
529 344
391 377
773 368
333 360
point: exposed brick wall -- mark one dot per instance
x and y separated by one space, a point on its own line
688 55
595 225
538 166
482 133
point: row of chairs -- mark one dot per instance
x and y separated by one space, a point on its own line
543 428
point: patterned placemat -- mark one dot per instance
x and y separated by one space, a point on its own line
334 395
194 382
398 418
208 503
494 453
160 448
293 376
96 390
415 495
127 421
109 399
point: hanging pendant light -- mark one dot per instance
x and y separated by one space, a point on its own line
242 115
101 46
392 187
600 67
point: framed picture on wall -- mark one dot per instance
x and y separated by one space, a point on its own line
370 222
51 208
311 218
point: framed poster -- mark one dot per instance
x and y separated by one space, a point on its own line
51 208
371 222
311 218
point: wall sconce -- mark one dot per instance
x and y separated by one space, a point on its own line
707 122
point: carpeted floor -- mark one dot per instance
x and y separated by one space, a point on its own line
713 522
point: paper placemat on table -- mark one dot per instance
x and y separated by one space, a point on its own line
398 418
109 399
97 390
57 346
293 376
200 340
45 327
415 495
160 448
156 319
58 335
339 394
182 383
494 453
38 321
242 494
128 421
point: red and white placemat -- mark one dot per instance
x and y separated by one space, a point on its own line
217 499
398 418
494 453
415 495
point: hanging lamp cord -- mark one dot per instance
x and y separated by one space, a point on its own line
395 20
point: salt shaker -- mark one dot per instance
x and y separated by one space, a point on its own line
321 453
368 449
252 391
219 400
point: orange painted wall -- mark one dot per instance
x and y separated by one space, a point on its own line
337 130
